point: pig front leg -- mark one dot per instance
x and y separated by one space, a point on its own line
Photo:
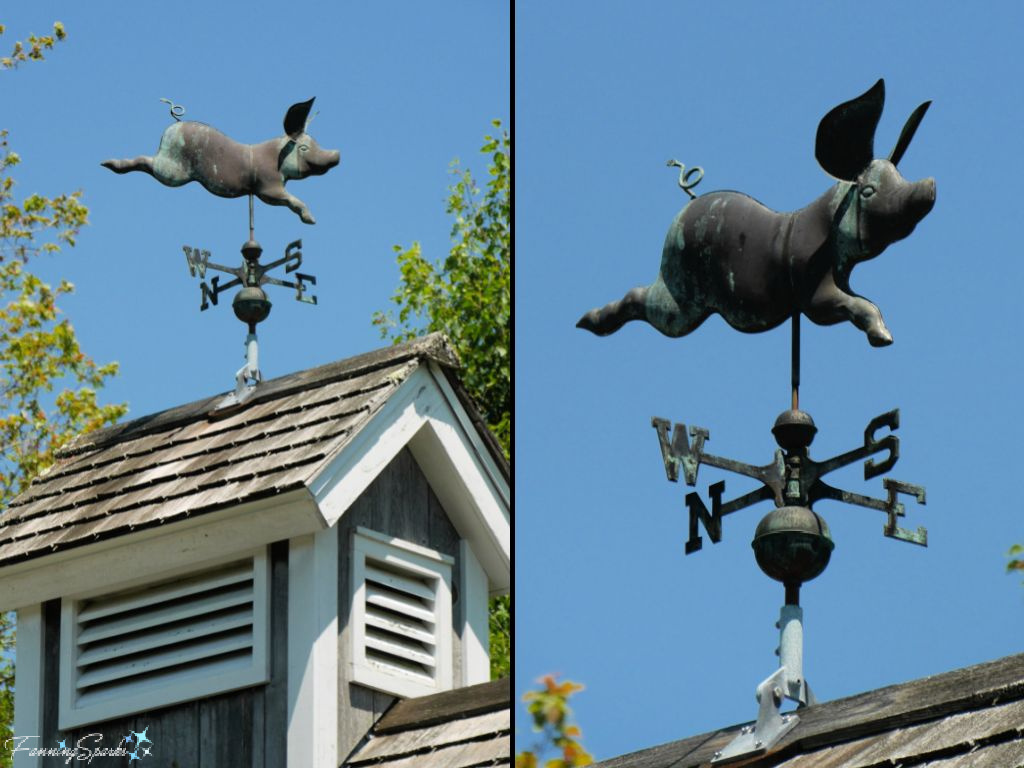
282 197
868 318
833 306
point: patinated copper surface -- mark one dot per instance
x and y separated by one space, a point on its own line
727 253
191 151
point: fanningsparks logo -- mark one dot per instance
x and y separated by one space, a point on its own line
134 746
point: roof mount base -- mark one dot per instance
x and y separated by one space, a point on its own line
787 682
247 377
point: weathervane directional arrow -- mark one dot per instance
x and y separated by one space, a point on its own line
250 274
792 478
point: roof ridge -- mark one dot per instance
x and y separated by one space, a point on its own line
434 346
1004 688
426 749
454 704
830 723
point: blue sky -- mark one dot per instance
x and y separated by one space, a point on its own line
670 645
401 90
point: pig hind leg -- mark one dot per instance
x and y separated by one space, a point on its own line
674 313
654 305
140 163
609 318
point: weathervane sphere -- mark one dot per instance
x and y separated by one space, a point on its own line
794 430
251 305
727 253
191 151
792 544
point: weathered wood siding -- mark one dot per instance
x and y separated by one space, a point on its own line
398 503
241 729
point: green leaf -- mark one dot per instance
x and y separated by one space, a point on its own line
467 295
48 385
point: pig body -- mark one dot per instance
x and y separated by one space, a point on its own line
727 253
191 151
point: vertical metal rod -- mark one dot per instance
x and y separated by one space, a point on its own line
252 226
252 355
250 372
791 651
796 361
793 594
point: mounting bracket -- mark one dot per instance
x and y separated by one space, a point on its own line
787 682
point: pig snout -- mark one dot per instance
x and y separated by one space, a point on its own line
915 204
893 210
322 161
921 198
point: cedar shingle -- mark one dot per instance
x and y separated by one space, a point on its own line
190 459
968 717
459 728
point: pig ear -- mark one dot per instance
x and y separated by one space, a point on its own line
908 133
295 120
846 136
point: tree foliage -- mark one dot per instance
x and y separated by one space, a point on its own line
39 350
500 621
549 709
47 384
1016 563
35 48
468 297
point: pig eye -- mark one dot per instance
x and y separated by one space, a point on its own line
303 147
867 191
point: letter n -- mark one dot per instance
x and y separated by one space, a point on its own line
209 293
698 512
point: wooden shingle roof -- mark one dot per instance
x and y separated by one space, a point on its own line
462 728
968 718
194 459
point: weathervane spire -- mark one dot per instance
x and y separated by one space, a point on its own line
191 151
726 253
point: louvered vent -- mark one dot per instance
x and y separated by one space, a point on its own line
402 613
401 622
178 639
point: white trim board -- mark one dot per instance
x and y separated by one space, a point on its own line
142 556
313 651
28 681
475 625
470 433
459 469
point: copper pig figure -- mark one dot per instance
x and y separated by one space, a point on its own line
727 253
191 151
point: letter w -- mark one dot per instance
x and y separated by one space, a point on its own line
680 451
197 261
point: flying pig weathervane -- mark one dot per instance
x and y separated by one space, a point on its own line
727 253
192 151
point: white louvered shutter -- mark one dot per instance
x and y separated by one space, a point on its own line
402 615
165 642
